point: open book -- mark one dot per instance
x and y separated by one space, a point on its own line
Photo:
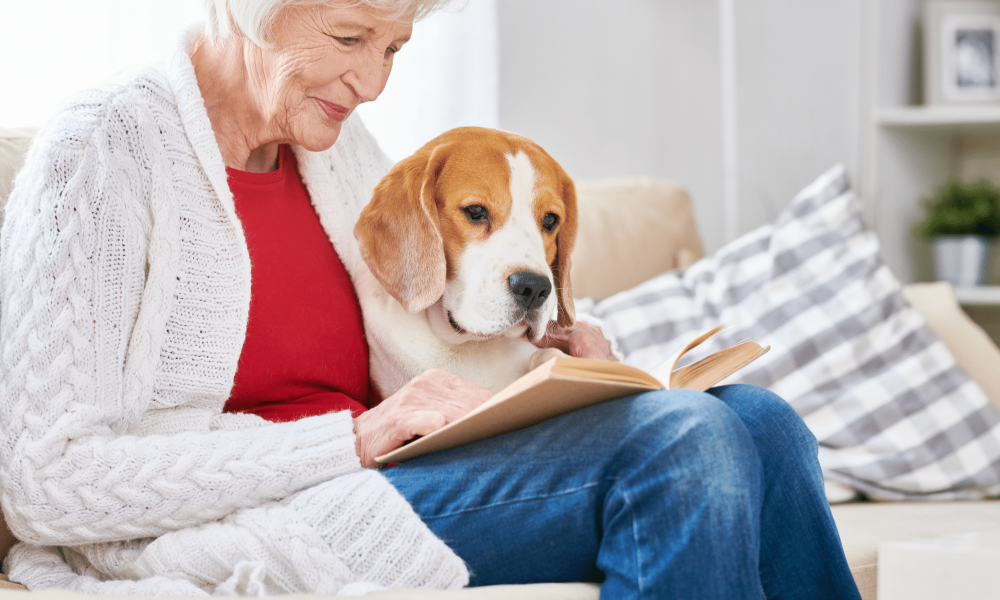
564 384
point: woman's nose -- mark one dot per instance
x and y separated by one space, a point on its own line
367 79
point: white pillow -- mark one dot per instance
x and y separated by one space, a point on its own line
894 414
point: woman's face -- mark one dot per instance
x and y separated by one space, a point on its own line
324 62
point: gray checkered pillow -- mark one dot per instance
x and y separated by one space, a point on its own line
894 414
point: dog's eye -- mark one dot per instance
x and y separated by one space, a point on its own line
549 221
476 212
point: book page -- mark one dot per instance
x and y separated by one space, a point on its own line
705 373
606 370
666 370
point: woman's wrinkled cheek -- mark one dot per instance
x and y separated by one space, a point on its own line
292 80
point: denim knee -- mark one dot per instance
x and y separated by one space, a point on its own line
771 421
692 413
697 437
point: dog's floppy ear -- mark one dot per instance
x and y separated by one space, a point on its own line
564 246
399 231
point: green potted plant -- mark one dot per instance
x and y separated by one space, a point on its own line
962 222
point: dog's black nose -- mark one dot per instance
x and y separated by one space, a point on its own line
530 289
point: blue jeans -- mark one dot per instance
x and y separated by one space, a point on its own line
670 494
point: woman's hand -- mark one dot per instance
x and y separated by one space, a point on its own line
428 402
583 340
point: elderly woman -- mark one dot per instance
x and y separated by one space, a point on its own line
184 389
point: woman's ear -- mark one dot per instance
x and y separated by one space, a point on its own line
564 247
399 233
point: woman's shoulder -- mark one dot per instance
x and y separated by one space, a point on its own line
109 136
112 116
97 153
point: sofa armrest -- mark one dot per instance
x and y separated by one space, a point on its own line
7 539
13 145
630 230
971 346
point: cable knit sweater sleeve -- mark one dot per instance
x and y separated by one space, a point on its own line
87 275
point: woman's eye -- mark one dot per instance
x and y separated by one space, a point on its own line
549 221
476 212
348 41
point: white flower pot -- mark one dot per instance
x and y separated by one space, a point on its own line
962 260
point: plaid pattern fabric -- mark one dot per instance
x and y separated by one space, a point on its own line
895 416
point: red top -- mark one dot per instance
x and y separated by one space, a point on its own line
305 352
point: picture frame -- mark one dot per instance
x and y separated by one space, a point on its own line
961 52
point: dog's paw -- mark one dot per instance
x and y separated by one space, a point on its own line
542 356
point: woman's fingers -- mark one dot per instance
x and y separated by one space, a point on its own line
583 340
556 337
444 389
589 344
417 423
424 405
377 432
423 422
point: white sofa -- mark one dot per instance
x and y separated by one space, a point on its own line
634 229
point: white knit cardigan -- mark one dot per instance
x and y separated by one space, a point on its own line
124 294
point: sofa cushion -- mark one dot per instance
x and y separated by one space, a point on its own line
972 347
538 591
895 416
630 230
863 525
13 145
7 584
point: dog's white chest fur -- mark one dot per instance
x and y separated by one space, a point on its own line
403 345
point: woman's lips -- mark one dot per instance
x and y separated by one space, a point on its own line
334 111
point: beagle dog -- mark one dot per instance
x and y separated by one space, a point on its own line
466 250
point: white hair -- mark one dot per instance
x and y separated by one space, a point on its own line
254 18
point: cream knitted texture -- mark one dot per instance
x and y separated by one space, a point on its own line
307 543
45 568
124 292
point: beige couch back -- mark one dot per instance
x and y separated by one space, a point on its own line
630 230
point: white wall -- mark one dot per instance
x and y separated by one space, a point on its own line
798 85
633 88
446 76
50 49
624 88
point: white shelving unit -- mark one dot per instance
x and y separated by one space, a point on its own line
950 118
909 150
987 295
